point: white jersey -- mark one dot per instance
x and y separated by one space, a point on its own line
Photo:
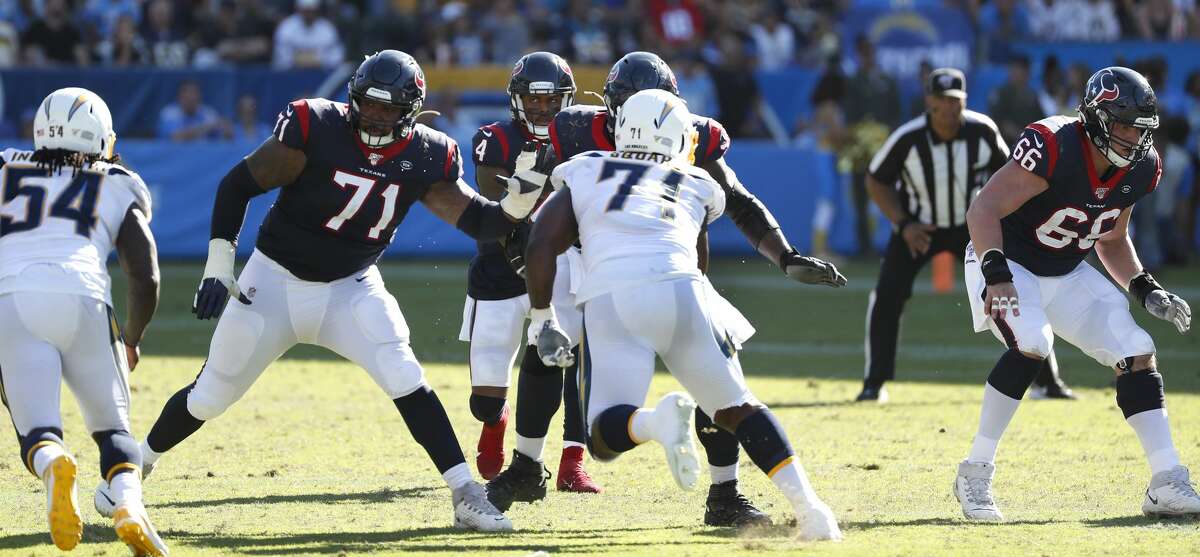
57 229
638 220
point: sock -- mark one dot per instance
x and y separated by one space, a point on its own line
44 456
793 482
174 424
428 423
642 426
1140 397
118 451
126 487
1002 394
539 393
722 474
487 409
149 456
531 447
457 476
720 446
572 445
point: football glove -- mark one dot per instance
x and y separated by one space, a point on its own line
524 187
514 247
553 344
1170 308
810 270
218 283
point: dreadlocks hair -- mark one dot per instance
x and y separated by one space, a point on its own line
54 160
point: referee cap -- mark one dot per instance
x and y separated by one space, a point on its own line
947 82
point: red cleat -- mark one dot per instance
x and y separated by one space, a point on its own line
571 475
490 456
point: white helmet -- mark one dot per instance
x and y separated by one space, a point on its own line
74 119
655 121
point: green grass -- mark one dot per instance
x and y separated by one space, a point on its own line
315 459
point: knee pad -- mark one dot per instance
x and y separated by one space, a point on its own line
400 373
1139 391
487 409
1013 374
720 445
118 452
36 439
209 399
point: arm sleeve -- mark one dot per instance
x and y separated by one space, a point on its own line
886 164
291 127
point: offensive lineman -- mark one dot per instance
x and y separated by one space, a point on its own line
580 128
348 174
1069 188
640 214
66 205
496 307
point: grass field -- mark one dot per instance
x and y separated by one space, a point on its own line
315 459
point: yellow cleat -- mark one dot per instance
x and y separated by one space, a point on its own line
133 527
66 525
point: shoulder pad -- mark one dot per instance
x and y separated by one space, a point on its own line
712 140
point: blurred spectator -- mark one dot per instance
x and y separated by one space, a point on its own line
100 16
1014 104
588 38
247 125
1191 110
465 42
10 45
189 119
234 35
53 38
1060 93
399 26
678 23
450 120
917 105
870 93
1157 221
737 90
774 40
123 47
507 32
164 36
1075 20
695 86
307 40
1002 23
20 13
1162 19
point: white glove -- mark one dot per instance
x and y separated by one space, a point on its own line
1170 308
218 282
553 344
525 186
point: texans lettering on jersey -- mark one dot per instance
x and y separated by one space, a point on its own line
490 276
342 211
1052 232
580 128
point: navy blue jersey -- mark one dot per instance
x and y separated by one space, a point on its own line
581 128
1052 232
490 276
337 217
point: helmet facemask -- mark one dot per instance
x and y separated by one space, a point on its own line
540 88
384 121
1098 123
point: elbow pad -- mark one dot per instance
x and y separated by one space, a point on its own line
484 220
750 215
235 192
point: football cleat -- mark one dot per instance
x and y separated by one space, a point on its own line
571 475
872 393
66 524
104 501
727 507
674 431
1057 390
489 459
1171 495
524 480
973 489
133 527
817 523
473 511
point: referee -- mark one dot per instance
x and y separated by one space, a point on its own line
923 178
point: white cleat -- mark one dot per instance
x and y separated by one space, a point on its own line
103 500
1171 495
133 527
973 489
66 524
674 414
473 511
817 523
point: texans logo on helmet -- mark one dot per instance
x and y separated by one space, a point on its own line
1103 88
562 65
517 69
420 79
611 75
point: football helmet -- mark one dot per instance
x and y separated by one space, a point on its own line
391 78
539 73
1117 94
655 121
637 71
74 119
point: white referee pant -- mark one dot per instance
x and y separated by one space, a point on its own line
355 316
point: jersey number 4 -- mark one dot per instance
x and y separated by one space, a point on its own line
633 175
1053 234
77 202
362 188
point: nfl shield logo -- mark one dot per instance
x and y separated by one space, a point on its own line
374 158
1101 192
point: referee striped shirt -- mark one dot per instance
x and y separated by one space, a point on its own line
937 179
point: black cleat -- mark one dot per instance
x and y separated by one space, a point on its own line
727 507
524 480
1055 390
872 393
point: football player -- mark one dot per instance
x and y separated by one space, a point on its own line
348 174
496 307
581 128
1068 189
66 205
640 214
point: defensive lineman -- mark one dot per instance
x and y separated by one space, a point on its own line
66 205
1069 188
639 213
348 173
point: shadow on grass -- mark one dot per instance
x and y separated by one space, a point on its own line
365 497
1137 520
850 403
92 533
